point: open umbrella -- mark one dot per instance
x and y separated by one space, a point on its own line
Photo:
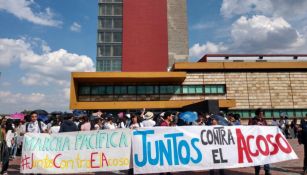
19 116
41 112
221 120
188 116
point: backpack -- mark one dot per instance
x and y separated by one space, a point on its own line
39 126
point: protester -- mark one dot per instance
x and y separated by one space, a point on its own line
148 120
135 122
68 125
98 123
294 127
302 139
109 123
274 122
86 125
55 127
4 149
167 119
35 126
125 121
259 120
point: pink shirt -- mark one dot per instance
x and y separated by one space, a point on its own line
86 126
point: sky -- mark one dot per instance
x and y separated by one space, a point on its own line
41 42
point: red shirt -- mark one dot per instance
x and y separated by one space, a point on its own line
164 123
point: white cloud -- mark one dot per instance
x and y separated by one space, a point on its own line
273 8
260 33
8 97
257 34
199 50
47 71
43 69
22 10
75 27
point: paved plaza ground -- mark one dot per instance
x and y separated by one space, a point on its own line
293 167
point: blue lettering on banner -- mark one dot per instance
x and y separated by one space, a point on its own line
169 152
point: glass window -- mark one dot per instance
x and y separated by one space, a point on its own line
170 89
117 37
221 89
131 89
276 113
268 113
192 89
185 89
106 37
107 23
177 89
98 90
84 90
214 89
141 90
290 113
109 90
108 9
304 112
120 90
105 50
207 90
117 50
156 89
118 10
118 23
298 113
149 89
245 114
116 65
163 89
199 89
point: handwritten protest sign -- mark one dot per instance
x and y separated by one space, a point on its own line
76 152
174 149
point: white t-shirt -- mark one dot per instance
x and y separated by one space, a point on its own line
109 126
148 123
54 129
135 125
34 128
9 137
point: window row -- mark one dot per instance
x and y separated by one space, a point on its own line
110 50
270 113
108 65
149 90
110 1
110 37
110 23
111 10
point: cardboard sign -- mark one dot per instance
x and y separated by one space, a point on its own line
194 148
76 152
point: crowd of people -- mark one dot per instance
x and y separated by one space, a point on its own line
12 131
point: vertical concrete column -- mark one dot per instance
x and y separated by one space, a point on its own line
178 47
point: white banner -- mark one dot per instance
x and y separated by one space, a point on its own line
192 148
76 152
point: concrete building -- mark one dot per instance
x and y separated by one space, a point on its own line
241 87
141 35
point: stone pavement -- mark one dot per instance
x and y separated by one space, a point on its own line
293 167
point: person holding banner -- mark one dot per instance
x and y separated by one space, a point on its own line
259 120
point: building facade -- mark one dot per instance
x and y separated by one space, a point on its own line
135 35
241 87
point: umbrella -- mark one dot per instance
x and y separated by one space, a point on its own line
41 112
19 116
221 120
188 117
78 113
43 118
56 113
